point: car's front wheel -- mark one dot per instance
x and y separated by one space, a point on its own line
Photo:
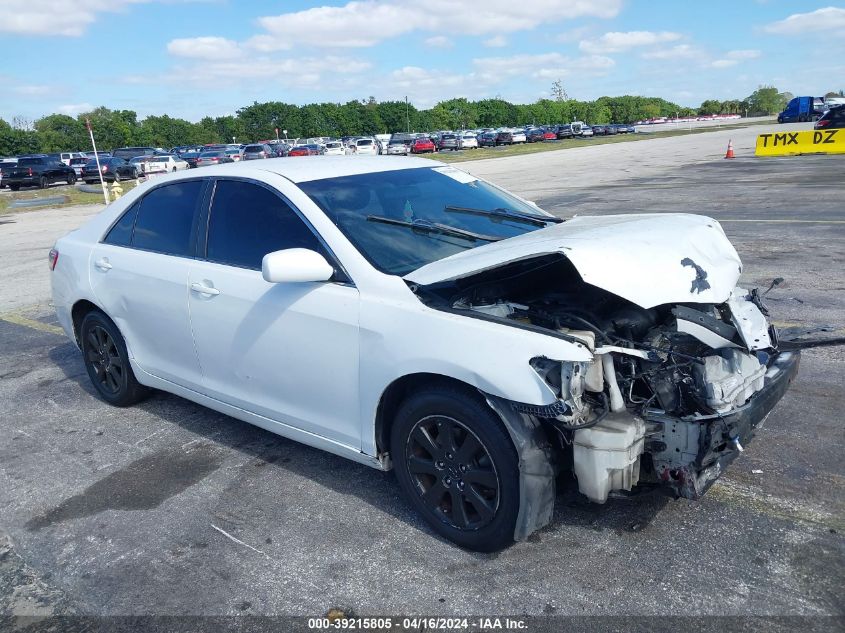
458 467
107 361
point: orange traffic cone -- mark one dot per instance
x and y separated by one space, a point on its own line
730 152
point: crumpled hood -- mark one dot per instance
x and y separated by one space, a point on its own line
648 259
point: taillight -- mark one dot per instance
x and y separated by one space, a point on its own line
53 258
105 167
30 171
215 159
822 122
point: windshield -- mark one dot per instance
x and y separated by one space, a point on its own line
420 196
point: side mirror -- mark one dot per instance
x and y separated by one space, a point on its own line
295 265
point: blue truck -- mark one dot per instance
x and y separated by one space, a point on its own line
807 108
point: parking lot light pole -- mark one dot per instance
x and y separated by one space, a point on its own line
407 117
97 159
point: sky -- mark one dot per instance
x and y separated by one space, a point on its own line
195 58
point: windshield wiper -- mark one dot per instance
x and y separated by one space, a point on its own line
426 226
508 214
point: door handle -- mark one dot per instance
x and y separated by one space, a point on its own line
204 290
103 264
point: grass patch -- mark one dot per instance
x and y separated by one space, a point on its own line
549 146
72 193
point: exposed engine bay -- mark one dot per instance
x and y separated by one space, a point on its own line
669 396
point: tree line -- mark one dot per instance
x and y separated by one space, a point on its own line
120 128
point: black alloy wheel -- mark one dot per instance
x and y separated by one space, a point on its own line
458 466
107 361
453 473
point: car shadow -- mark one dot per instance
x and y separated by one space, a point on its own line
376 488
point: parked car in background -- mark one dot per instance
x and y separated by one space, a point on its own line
422 146
487 139
334 148
213 157
127 153
586 130
600 130
398 147
235 153
77 164
280 148
448 141
6 165
549 134
139 163
38 171
306 150
114 169
66 157
534 135
468 140
363 146
563 131
258 151
518 136
190 157
383 141
833 119
164 163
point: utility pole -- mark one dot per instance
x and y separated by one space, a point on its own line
407 117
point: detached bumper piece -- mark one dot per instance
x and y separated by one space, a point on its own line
689 454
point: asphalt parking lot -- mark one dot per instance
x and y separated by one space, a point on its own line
170 508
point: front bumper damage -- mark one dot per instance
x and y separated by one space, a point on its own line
689 454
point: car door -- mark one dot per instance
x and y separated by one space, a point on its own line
286 351
139 274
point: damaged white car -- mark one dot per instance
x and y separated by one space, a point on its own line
407 315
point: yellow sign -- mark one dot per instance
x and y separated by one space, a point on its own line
807 142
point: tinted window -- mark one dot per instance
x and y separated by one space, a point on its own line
121 232
166 217
248 221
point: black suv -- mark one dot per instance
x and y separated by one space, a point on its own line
833 119
38 171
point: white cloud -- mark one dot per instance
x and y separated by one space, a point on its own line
617 42
438 41
573 35
33 90
542 66
681 51
57 17
300 71
743 54
722 63
72 109
204 48
367 22
497 41
827 19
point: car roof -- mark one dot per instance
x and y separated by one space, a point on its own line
310 168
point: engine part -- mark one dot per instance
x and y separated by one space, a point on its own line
606 456
730 378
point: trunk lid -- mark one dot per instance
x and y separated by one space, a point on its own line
648 259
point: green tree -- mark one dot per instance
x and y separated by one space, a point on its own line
58 132
15 140
766 100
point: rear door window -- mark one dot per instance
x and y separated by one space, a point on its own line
247 221
166 218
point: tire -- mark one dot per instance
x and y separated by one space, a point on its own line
478 468
15 187
116 177
107 362
43 183
71 179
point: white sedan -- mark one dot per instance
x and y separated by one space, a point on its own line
405 314
163 163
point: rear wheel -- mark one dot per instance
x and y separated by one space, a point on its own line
116 177
15 187
458 467
71 179
42 182
107 362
